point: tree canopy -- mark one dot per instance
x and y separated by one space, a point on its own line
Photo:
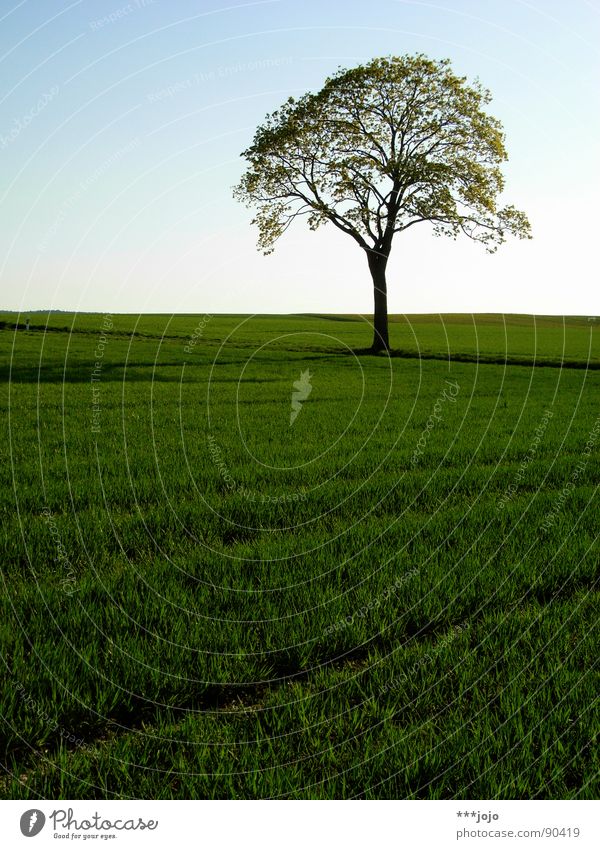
383 146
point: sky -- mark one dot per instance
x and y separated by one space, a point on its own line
122 125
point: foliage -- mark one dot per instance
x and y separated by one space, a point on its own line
383 146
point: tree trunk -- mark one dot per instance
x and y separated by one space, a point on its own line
377 266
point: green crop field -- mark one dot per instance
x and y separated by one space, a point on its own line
392 593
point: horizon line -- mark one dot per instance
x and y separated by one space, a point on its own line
320 314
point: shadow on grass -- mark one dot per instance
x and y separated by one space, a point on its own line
479 359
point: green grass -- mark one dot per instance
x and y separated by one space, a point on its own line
202 601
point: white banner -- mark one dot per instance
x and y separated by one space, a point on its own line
302 824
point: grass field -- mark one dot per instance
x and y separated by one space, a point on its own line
395 596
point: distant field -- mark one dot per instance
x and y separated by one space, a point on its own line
395 596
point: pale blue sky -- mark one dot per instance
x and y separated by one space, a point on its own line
121 126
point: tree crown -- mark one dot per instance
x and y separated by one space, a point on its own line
383 146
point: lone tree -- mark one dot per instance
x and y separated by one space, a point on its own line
381 147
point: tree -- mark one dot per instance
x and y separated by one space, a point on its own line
381 147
